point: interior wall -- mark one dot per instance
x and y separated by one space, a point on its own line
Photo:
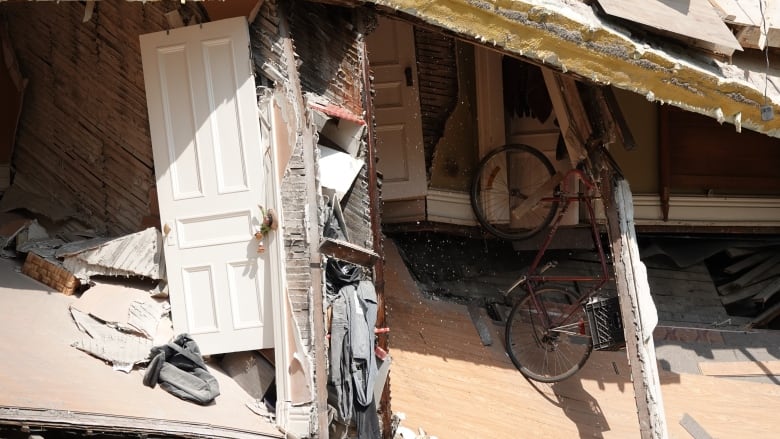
83 137
456 152
640 165
328 43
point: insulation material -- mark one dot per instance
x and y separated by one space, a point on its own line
137 254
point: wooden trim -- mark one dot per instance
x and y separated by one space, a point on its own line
701 210
664 163
29 418
450 207
490 99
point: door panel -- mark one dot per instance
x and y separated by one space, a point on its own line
208 160
397 111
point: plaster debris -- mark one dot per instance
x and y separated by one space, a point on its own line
135 254
119 348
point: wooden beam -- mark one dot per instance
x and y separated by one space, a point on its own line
570 111
349 252
545 190
615 114
490 100
637 308
740 368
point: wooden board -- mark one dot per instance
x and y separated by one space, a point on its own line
747 15
696 20
739 368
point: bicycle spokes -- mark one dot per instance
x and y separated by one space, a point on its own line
548 339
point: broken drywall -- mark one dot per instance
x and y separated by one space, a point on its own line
121 323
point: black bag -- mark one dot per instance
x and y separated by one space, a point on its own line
179 369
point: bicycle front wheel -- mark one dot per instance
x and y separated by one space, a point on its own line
504 179
554 352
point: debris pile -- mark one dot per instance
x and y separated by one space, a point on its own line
749 283
122 307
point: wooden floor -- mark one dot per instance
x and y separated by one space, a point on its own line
45 381
447 383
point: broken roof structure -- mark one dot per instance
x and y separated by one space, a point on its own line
569 36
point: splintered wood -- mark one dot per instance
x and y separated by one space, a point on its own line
752 283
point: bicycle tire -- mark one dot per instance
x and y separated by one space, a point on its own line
545 355
496 188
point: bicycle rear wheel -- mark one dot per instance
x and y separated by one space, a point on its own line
548 354
504 179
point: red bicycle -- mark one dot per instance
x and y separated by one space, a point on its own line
549 331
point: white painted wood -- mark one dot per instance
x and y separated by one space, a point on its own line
210 180
397 111
701 210
490 99
638 313
450 207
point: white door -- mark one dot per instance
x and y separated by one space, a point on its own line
208 159
397 111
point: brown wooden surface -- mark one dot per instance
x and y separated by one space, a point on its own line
445 381
740 368
699 154
41 372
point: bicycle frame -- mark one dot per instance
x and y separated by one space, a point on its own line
535 275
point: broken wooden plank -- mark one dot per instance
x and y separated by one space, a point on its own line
479 324
570 111
738 252
691 426
744 293
346 251
740 368
770 287
753 275
749 261
766 317
746 17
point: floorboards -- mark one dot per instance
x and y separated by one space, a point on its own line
41 372
447 383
